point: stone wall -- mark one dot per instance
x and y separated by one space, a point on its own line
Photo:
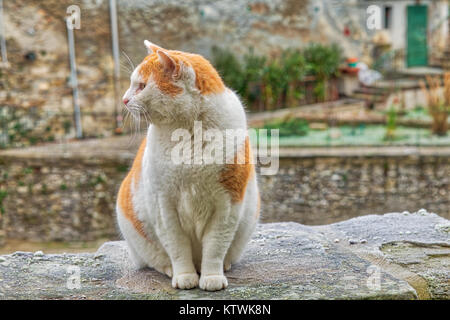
322 189
67 191
63 201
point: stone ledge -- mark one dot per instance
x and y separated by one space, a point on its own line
123 149
394 256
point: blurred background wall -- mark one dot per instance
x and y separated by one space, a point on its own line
35 88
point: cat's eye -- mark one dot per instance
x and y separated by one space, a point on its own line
141 86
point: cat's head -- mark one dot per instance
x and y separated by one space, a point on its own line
170 86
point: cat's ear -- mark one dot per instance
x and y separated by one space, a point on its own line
151 47
169 65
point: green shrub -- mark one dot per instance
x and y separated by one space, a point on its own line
3 194
322 61
253 66
253 73
288 127
294 67
277 81
391 123
229 68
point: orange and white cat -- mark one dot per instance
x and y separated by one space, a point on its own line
185 219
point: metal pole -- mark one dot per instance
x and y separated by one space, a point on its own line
4 137
2 36
74 80
115 52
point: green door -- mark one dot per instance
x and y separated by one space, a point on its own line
417 51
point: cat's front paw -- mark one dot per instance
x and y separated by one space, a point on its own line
185 280
213 282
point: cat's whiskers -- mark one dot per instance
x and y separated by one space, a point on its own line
130 118
126 69
145 113
129 66
126 120
136 110
130 62
135 115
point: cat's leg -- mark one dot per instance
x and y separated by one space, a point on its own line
131 236
138 262
151 253
243 235
177 245
247 224
144 251
218 235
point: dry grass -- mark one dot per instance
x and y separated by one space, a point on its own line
438 102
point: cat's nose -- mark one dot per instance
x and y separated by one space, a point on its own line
125 101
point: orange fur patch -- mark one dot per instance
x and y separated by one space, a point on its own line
235 177
153 67
125 196
207 79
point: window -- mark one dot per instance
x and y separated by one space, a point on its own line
387 17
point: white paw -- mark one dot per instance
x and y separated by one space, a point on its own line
185 281
213 282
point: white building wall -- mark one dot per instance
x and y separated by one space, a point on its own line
437 24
